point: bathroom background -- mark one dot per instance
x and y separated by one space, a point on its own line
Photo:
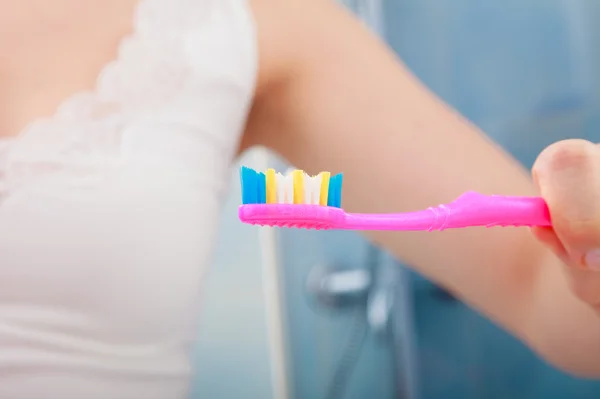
311 315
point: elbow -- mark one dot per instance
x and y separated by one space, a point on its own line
560 328
587 369
575 357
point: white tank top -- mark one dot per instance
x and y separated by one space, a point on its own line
108 210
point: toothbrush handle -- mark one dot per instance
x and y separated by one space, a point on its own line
474 209
469 210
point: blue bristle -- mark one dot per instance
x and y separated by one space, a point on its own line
339 190
335 188
331 191
262 188
248 180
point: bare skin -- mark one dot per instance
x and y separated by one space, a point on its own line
331 97
50 50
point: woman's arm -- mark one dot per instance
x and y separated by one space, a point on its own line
332 97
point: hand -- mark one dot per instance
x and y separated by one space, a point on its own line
568 176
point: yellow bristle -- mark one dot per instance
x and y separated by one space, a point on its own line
271 186
298 177
324 188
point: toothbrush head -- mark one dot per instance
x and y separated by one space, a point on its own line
295 199
290 215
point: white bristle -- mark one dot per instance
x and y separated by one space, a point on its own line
307 188
316 189
281 187
285 188
289 191
312 189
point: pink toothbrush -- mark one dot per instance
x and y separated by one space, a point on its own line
469 210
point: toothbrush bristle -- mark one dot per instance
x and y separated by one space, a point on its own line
294 187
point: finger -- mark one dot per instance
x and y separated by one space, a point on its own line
551 240
568 176
584 283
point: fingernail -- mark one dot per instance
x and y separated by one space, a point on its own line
592 260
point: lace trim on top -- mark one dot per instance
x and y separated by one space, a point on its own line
152 66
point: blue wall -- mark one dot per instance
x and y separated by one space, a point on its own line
527 73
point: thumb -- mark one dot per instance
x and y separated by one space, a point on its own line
568 176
